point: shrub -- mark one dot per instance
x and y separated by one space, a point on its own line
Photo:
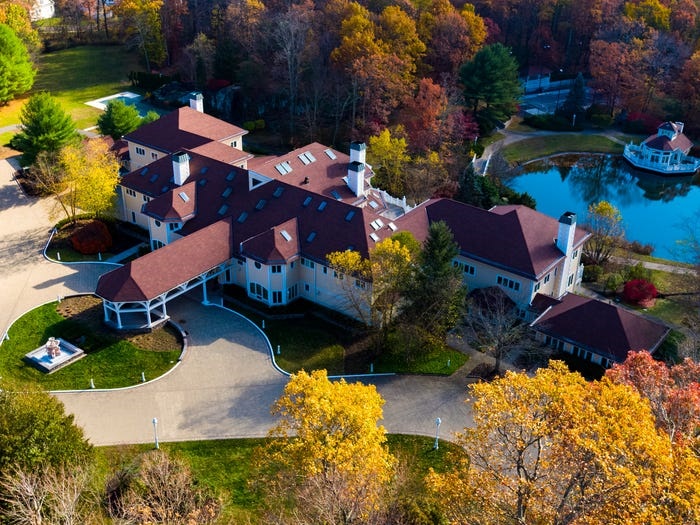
641 292
592 273
641 249
638 271
92 238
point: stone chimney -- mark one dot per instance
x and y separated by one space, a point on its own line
197 102
358 152
181 167
356 178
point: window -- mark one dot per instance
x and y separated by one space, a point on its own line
276 268
508 283
257 290
307 263
291 265
306 287
546 278
140 151
325 270
359 283
234 144
157 224
537 287
338 275
292 292
130 192
154 155
146 199
466 268
133 216
258 265
575 254
571 279
276 297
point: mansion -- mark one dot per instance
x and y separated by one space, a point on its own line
216 214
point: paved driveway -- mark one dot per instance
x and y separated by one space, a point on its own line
226 383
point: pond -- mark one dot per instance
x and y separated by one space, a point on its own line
656 210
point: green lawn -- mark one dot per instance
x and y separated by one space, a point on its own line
536 147
111 361
75 76
224 466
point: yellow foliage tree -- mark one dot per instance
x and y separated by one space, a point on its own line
555 449
331 457
389 156
90 176
372 287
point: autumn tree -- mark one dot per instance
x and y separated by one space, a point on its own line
15 14
328 460
491 85
388 156
118 119
423 116
45 127
373 286
90 176
16 69
673 393
556 449
143 26
160 489
604 222
199 60
437 292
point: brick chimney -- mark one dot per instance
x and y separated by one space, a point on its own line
181 167
197 102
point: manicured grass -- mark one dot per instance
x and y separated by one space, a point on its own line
536 147
75 76
435 359
111 361
307 344
225 467
70 255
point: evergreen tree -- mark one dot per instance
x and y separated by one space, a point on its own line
16 69
576 99
491 86
437 293
45 127
118 119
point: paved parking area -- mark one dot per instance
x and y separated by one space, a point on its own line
226 383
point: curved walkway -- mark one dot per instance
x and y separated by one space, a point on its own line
226 383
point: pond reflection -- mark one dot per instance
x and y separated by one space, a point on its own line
653 207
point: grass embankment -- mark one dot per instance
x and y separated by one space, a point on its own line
111 361
75 76
543 146
225 467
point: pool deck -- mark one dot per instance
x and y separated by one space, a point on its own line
101 103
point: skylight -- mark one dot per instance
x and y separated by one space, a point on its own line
336 195
261 204
350 215
144 171
330 154
283 168
306 202
286 235
227 192
279 190
392 227
242 217
310 156
311 237
231 175
322 206
223 209
373 205
304 160
153 178
374 237
204 170
202 182
184 196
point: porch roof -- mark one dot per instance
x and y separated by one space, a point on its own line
162 270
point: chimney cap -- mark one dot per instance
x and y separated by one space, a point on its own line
568 217
356 166
358 146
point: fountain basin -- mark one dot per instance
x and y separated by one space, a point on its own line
54 355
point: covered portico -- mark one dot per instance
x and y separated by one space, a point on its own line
135 296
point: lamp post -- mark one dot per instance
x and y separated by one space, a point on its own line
155 432
437 433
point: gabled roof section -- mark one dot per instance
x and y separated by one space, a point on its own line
664 143
222 153
515 238
601 327
279 243
184 128
154 274
311 168
176 205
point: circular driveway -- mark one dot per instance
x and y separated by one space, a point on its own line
226 383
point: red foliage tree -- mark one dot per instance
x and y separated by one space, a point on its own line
673 392
641 292
94 237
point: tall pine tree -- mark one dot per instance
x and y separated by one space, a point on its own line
16 69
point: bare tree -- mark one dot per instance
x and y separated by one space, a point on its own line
492 323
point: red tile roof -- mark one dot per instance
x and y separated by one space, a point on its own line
154 274
515 238
664 143
176 205
603 328
319 174
184 128
222 152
